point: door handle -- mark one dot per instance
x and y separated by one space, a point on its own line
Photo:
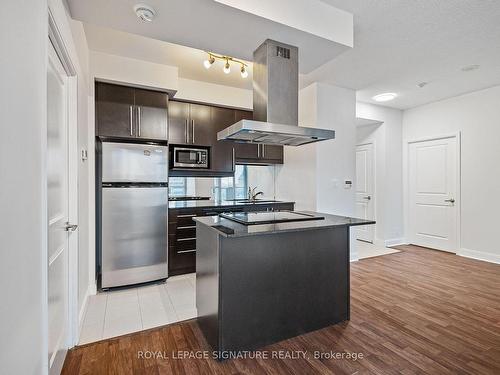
70 227
186 131
130 116
367 197
451 200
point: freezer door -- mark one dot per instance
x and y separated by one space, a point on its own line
134 235
129 162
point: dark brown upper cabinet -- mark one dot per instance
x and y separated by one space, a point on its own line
248 153
114 110
151 114
178 119
197 125
223 158
126 112
200 126
190 123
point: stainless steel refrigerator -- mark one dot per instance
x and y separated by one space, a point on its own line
134 213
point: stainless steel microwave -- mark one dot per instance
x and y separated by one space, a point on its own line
190 157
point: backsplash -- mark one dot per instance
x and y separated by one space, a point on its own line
222 188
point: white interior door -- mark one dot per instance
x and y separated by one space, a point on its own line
365 203
432 188
58 211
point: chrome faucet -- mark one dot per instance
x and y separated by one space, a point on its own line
252 195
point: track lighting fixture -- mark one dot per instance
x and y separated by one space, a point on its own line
227 63
244 73
208 62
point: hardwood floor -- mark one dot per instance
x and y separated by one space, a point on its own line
415 312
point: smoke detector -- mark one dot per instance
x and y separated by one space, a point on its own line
145 12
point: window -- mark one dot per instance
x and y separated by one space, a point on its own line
177 186
180 186
223 188
232 187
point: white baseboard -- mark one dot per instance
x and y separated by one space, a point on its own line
395 242
83 311
479 255
92 289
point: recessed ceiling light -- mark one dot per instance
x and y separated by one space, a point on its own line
144 12
470 68
385 97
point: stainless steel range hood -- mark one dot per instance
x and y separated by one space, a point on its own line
275 102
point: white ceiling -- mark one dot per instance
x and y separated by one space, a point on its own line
397 43
208 25
188 60
400 43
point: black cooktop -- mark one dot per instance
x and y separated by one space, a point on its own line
266 217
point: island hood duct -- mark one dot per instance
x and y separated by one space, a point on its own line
275 102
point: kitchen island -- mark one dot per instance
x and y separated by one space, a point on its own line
182 228
259 284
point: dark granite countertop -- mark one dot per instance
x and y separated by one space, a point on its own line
214 203
229 228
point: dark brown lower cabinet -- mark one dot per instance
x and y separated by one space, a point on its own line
182 232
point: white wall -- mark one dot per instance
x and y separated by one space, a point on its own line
139 73
336 159
313 175
386 138
23 225
212 93
476 116
263 179
296 178
80 43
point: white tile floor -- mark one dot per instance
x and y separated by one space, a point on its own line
116 313
369 250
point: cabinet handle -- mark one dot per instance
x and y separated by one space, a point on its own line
186 251
192 131
139 119
186 215
263 150
186 131
130 115
186 239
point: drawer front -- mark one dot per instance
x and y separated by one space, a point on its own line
186 220
186 232
185 244
181 262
